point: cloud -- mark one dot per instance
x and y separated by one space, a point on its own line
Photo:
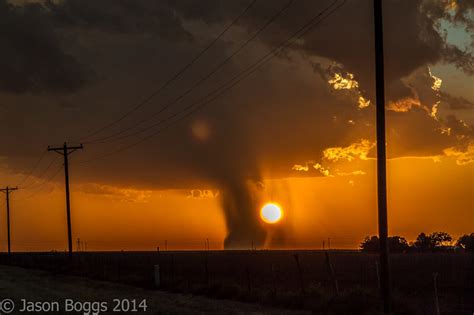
251 127
456 102
436 81
115 193
463 157
41 39
457 128
311 166
335 77
280 115
203 194
32 57
363 103
353 173
126 16
340 82
403 105
359 150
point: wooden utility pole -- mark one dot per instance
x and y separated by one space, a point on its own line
381 158
7 192
65 150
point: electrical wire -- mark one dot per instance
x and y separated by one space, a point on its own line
33 169
174 77
236 79
42 184
43 173
203 79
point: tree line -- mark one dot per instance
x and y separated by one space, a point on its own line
436 241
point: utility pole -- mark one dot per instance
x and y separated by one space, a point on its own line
381 158
65 150
7 192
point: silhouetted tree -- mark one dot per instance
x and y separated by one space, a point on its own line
466 242
441 239
370 244
433 241
395 244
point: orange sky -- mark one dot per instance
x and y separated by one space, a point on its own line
181 165
424 195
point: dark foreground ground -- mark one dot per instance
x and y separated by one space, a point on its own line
33 285
335 282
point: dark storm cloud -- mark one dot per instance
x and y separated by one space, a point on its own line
250 114
283 115
125 16
412 36
462 59
462 14
31 56
456 102
38 50
459 128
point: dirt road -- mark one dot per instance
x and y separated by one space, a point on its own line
20 284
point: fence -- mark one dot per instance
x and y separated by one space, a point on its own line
265 272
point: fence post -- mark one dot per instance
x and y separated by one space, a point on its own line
300 274
172 271
157 276
377 273
206 269
331 273
435 284
249 285
119 267
274 280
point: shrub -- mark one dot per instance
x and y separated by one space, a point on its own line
395 244
466 242
433 241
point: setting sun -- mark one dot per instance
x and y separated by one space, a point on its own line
271 213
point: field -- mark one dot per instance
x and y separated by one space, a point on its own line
327 282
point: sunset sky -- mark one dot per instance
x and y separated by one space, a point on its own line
299 131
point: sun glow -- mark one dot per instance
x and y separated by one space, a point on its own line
271 213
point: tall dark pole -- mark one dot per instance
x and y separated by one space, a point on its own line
68 204
65 150
381 158
7 191
8 221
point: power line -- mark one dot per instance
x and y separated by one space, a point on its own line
223 87
203 79
33 169
33 186
174 77
250 70
42 184
235 80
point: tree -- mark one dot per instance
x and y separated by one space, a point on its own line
395 244
423 242
466 242
433 241
441 239
370 244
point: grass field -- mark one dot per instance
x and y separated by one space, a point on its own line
332 282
